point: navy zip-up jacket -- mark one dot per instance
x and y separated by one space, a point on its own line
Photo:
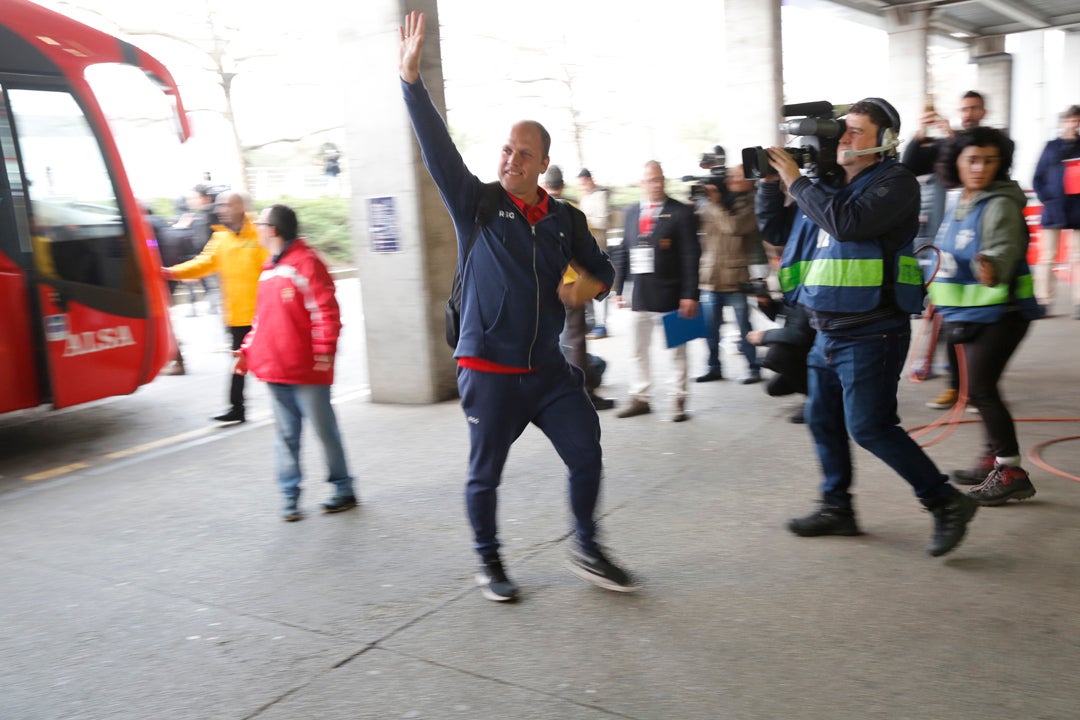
511 313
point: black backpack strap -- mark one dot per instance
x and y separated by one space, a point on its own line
579 225
490 194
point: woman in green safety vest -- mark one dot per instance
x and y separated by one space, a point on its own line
983 290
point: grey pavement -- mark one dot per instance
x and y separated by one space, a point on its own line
163 584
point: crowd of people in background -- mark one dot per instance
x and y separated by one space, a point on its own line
769 250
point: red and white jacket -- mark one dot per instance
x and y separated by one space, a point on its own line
296 318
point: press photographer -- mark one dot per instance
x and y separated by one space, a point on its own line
848 261
715 162
730 244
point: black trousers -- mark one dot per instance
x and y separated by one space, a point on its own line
236 388
985 357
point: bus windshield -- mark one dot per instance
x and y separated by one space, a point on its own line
67 179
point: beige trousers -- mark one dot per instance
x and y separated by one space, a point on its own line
644 326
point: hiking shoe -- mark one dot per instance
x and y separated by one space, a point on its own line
593 567
494 585
635 408
291 513
826 520
951 517
945 400
678 413
1004 483
339 503
983 467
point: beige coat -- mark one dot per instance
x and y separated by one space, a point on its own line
728 241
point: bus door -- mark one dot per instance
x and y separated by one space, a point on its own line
86 298
20 353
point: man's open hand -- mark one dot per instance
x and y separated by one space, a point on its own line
412 41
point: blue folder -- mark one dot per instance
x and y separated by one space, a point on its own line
679 330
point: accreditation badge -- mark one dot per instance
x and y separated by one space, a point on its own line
642 260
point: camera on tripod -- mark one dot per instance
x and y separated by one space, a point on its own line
818 127
715 161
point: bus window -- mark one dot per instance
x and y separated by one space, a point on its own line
77 233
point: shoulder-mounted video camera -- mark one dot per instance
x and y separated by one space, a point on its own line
818 127
715 161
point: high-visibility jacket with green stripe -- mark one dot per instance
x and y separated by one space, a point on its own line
824 274
955 292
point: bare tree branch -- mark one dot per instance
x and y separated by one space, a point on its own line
305 136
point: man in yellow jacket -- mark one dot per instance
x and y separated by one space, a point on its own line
235 254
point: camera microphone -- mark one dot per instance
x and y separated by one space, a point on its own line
871 151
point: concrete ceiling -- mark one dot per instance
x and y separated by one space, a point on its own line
981 18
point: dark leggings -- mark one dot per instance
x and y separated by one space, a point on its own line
986 356
236 382
954 365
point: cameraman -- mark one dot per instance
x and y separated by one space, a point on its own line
729 240
848 261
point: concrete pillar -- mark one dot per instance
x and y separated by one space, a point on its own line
1031 111
994 79
753 74
404 242
906 84
1071 95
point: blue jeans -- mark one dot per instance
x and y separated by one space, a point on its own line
291 404
713 304
852 383
498 408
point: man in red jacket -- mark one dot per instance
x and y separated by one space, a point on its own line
291 348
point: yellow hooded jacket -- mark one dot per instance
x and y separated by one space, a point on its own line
238 261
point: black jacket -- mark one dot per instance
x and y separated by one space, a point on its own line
1059 210
676 254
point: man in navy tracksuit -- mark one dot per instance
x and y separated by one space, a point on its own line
511 369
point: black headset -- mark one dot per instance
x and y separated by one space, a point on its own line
889 134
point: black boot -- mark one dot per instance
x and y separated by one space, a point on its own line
826 520
977 474
951 517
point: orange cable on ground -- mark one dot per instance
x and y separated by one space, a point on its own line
952 418
1036 452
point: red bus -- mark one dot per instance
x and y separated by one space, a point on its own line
83 309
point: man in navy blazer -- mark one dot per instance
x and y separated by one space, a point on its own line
660 253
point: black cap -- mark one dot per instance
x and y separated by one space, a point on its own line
553 178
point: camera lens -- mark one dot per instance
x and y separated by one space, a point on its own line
821 127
